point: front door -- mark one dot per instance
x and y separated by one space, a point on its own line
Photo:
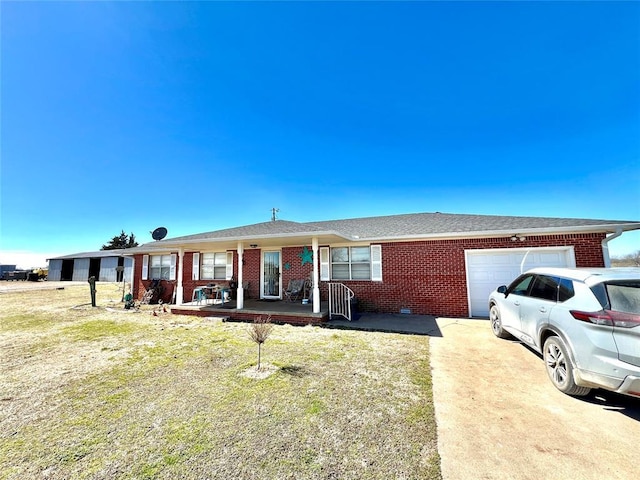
270 283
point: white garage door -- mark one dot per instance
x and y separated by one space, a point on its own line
488 269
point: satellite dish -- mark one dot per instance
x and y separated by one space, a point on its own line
159 233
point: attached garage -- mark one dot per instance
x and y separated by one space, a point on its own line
488 269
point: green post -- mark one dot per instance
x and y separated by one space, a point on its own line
92 286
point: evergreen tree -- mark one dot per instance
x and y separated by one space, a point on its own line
121 241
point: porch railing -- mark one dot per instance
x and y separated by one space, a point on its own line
340 297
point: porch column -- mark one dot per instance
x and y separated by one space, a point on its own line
240 290
179 287
316 286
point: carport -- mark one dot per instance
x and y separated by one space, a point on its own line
103 265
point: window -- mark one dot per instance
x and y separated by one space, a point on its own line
214 266
351 263
545 288
624 296
160 267
566 290
520 285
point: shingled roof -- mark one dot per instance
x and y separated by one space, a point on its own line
439 224
406 226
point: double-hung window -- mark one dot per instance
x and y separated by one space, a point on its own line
351 263
160 267
214 266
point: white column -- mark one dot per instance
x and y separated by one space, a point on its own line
316 286
179 287
240 291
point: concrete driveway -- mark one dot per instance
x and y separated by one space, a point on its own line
499 417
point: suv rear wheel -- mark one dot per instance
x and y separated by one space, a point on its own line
496 323
559 367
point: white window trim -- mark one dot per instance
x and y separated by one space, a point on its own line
228 265
195 275
325 264
145 267
229 274
172 269
375 262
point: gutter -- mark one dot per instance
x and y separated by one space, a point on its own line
605 246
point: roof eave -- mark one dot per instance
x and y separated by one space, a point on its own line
331 236
608 228
267 240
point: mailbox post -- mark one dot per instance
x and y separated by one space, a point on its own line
92 286
120 270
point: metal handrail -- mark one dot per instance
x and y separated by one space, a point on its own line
340 300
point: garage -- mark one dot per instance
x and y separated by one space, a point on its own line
488 269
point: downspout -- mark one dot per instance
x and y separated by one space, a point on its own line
240 290
316 286
179 287
605 247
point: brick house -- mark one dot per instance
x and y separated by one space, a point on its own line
424 263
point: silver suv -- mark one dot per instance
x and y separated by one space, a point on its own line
585 322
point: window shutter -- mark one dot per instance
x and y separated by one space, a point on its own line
324 264
229 265
376 263
172 270
145 267
195 275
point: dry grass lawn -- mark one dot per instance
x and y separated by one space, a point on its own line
103 393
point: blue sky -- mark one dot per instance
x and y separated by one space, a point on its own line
199 116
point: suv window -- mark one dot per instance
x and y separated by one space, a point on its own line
520 285
565 289
624 296
545 287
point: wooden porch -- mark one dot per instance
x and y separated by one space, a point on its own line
281 311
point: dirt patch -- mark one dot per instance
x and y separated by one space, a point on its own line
265 371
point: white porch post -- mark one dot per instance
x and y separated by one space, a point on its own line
240 290
316 286
179 287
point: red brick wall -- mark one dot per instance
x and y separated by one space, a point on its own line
250 271
251 274
140 286
296 269
428 277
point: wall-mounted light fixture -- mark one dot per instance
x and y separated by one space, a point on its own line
254 245
516 237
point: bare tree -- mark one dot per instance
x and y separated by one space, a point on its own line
259 332
629 260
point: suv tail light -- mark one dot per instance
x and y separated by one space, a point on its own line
610 318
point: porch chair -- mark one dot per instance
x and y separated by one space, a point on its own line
295 289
